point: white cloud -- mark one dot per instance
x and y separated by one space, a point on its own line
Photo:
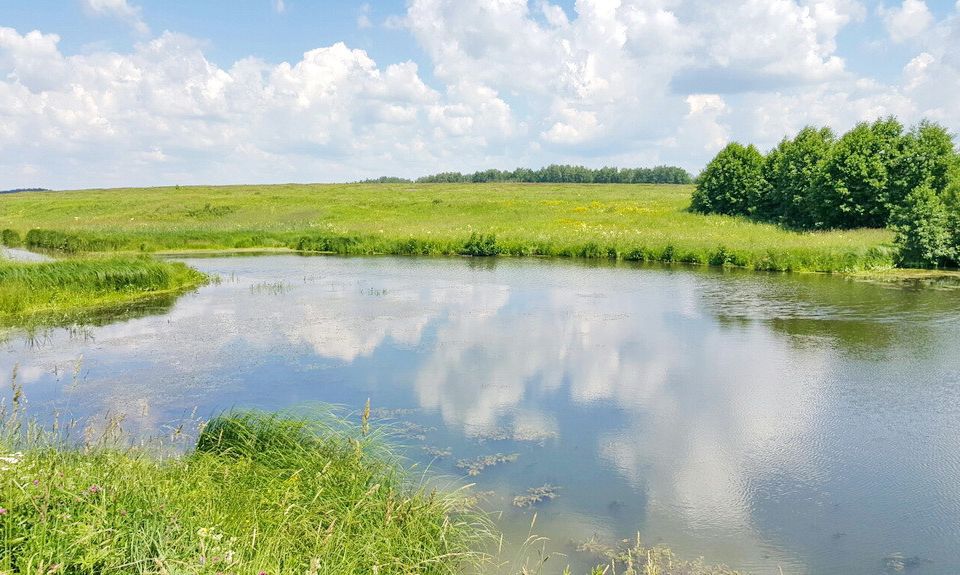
514 82
363 19
279 6
121 10
908 21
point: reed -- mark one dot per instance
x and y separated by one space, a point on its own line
260 493
69 290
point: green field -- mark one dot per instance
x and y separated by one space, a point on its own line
632 222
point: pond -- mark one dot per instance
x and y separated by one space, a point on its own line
803 422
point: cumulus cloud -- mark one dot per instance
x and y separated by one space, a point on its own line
908 21
166 110
513 82
121 10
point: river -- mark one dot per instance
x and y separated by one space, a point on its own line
806 423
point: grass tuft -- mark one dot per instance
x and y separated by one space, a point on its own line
261 493
70 290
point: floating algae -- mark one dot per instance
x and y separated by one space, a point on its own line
411 430
525 434
536 495
386 413
478 464
436 451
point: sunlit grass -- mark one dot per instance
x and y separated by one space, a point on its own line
66 290
261 493
633 222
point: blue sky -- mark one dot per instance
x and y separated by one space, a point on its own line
117 92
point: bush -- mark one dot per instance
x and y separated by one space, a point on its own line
923 229
732 182
481 245
10 238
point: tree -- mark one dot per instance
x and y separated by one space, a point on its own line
731 183
927 155
923 231
792 170
853 190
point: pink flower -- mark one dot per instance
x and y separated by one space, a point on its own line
3 510
94 488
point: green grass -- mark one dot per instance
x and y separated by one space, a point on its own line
632 222
261 493
74 289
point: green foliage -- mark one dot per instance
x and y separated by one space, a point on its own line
732 183
927 157
10 238
923 229
68 290
855 186
313 496
559 174
874 176
792 170
481 245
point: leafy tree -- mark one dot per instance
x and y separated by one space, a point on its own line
731 183
792 170
923 231
927 155
854 191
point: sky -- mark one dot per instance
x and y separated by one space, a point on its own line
112 93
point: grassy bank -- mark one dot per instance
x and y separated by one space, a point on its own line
259 494
632 222
73 289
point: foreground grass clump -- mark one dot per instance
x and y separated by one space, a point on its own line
626 221
260 493
67 290
635 558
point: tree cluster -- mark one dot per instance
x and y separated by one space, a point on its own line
876 175
557 174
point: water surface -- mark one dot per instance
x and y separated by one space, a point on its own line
803 422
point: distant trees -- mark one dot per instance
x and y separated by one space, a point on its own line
875 175
562 173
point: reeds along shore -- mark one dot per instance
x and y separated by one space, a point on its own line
70 290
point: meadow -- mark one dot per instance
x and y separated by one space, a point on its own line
623 221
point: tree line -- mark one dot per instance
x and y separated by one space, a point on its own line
556 174
877 174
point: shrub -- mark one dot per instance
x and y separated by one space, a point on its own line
10 238
923 229
731 183
481 245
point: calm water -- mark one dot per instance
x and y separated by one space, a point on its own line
804 422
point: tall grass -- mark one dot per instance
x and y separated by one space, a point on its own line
261 493
629 222
66 290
